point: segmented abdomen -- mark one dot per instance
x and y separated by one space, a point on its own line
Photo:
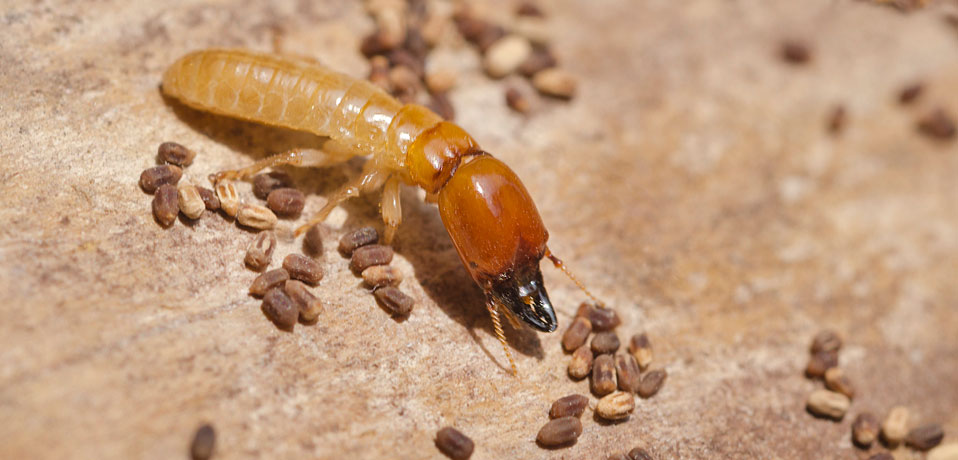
294 93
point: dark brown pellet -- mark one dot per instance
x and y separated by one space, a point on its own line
837 381
602 319
836 120
560 432
529 9
937 124
453 444
440 103
821 362
576 334
286 202
381 275
865 429
603 375
469 26
176 154
882 456
209 198
795 52
540 59
308 304
166 204
569 406
581 364
369 255
627 372
152 178
651 383
265 183
204 440
641 349
314 241
267 281
639 454
517 101
303 268
605 343
394 300
910 93
356 239
406 85
260 251
375 44
826 340
280 309
925 437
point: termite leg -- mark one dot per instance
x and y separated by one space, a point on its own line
391 208
371 179
561 266
497 325
295 157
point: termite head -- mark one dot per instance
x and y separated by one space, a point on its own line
499 235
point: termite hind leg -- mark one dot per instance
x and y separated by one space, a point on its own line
561 266
295 157
391 208
372 178
497 325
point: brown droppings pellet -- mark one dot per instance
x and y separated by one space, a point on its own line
369 255
209 198
836 120
836 380
405 83
152 178
895 427
602 318
453 444
506 55
865 430
825 403
517 101
529 9
639 454
820 362
581 363
925 437
356 239
374 44
555 82
308 304
166 205
627 372
603 375
652 382
314 240
540 59
303 268
175 154
641 349
440 103
827 341
256 216
398 303
795 52
280 309
576 334
379 73
616 406
229 199
469 26
441 81
937 124
260 251
882 456
560 432
381 275
269 280
204 440
263 184
191 203
287 202
910 93
605 343
569 406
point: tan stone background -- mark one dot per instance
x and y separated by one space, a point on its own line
690 184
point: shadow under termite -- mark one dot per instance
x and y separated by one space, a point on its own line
421 239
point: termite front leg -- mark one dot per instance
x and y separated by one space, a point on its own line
391 208
331 154
497 325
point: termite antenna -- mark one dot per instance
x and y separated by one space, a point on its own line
497 325
561 266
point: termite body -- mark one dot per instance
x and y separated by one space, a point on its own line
485 208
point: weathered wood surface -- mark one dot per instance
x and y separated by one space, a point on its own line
691 184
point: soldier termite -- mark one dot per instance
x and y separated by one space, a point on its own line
486 210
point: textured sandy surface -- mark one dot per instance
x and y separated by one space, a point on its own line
691 185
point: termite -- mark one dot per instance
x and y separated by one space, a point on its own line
484 207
